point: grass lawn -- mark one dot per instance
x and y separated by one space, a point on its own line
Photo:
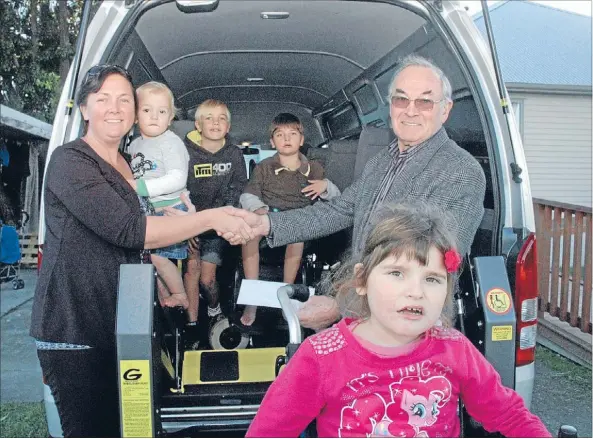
25 419
569 370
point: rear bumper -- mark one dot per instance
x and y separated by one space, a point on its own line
524 377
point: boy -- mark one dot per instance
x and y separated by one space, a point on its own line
159 164
216 178
282 182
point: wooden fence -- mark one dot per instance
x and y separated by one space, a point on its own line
29 248
563 233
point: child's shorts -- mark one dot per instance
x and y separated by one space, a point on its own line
175 251
212 248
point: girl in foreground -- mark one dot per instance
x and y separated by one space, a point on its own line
397 368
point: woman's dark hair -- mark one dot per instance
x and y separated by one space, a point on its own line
94 79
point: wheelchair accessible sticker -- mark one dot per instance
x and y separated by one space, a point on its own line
136 401
498 301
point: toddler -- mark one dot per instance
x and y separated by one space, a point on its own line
159 163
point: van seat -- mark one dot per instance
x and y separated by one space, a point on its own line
318 154
182 127
339 165
371 141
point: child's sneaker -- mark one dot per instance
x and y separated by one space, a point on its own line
214 315
213 312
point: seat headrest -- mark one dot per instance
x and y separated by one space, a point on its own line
182 127
344 146
376 136
371 141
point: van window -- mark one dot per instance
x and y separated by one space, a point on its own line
344 123
366 99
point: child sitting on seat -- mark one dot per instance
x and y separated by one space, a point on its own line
282 182
396 368
159 164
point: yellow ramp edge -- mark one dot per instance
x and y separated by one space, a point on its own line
255 365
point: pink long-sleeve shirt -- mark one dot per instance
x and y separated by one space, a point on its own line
353 392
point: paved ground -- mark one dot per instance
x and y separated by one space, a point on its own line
563 397
20 378
560 396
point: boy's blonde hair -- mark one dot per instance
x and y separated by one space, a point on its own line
158 87
211 103
395 230
285 120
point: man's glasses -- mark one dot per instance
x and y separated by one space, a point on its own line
106 69
421 104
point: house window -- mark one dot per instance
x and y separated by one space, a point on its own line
518 110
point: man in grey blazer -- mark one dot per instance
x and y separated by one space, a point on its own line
421 165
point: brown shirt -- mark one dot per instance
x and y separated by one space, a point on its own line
279 187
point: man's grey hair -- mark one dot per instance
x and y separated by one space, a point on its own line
417 60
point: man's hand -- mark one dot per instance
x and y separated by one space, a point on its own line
235 225
260 224
319 312
315 189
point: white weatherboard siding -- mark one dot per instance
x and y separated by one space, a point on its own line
558 145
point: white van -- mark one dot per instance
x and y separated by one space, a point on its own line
330 62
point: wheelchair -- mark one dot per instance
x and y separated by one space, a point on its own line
269 329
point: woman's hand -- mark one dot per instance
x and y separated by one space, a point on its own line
315 189
259 224
235 225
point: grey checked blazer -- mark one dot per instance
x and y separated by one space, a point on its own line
441 173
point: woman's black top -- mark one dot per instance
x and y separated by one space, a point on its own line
93 224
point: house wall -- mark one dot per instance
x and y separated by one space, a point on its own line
556 132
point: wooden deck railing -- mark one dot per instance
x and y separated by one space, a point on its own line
563 233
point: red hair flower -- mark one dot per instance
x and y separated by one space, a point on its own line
452 260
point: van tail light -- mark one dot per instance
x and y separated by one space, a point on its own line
526 298
39 257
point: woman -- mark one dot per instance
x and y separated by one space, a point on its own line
94 223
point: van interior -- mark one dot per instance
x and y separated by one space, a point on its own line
330 63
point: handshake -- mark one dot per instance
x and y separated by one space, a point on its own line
238 226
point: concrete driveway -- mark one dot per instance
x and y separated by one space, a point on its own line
20 370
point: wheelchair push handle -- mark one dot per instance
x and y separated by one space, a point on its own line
285 294
567 431
298 292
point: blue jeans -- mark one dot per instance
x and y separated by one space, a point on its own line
175 251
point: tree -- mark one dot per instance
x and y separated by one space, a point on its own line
36 48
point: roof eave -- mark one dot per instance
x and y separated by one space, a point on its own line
522 87
24 123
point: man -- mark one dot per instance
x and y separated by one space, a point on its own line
421 165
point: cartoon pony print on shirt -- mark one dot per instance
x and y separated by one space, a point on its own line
415 403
